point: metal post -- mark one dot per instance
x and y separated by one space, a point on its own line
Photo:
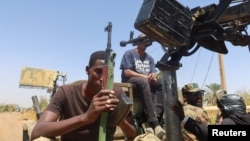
170 90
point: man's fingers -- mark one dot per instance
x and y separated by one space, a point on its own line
112 101
110 107
111 104
104 92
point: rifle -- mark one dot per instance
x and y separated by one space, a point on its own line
108 80
110 120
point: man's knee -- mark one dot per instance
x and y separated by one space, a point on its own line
143 83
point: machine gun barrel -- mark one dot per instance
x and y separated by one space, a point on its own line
240 12
230 26
140 40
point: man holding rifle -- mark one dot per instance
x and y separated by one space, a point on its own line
75 109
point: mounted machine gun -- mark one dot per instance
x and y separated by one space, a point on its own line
222 22
207 27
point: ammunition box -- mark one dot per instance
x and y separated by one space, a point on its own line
166 21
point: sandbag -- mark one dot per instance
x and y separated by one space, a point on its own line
147 137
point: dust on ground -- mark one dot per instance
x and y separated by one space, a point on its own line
13 123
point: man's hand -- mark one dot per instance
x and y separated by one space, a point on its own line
178 110
105 100
152 78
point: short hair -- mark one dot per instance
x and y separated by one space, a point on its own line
96 55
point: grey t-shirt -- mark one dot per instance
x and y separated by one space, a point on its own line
140 64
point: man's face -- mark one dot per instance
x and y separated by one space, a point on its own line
142 46
194 98
95 73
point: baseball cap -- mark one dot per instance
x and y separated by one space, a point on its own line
191 87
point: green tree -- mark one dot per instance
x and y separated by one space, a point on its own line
43 102
213 91
2 106
245 95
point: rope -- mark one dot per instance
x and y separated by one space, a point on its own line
208 69
195 66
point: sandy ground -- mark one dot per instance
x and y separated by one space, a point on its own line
11 126
13 123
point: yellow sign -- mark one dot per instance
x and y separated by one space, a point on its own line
39 78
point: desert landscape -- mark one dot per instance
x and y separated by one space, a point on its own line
12 125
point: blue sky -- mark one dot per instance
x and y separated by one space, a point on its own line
60 35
